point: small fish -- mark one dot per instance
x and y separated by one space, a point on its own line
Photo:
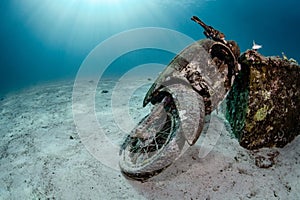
256 46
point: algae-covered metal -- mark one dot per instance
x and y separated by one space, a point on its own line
262 106
264 103
191 86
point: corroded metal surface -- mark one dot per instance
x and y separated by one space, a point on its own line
264 103
191 86
262 106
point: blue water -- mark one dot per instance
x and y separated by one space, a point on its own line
44 40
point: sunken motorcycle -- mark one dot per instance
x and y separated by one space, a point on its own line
191 87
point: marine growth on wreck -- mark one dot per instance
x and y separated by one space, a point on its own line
263 105
262 96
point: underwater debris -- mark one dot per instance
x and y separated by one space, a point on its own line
263 105
209 31
104 91
192 86
264 159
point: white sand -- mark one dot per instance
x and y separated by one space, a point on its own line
42 156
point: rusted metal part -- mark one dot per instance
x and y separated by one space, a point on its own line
263 105
191 86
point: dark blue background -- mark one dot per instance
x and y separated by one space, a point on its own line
44 40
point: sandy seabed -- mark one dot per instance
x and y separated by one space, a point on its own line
42 156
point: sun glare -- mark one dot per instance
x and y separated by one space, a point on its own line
75 24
